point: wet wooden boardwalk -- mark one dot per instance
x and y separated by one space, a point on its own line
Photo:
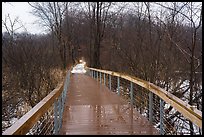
92 108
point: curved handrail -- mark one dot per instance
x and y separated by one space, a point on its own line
184 108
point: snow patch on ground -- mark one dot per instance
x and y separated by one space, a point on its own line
13 120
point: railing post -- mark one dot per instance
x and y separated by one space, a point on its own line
100 77
131 93
65 90
161 117
89 72
118 86
62 94
60 112
109 81
96 75
68 79
56 117
104 79
92 73
150 107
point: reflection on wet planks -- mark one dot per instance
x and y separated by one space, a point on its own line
93 109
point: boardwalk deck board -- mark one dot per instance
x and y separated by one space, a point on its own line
92 108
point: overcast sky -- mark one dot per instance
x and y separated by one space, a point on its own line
21 10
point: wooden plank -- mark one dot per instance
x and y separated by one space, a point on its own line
184 108
93 109
23 125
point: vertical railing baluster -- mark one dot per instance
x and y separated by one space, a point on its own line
56 117
89 72
104 79
60 113
109 81
62 94
118 86
161 117
131 93
96 75
100 77
150 107
65 90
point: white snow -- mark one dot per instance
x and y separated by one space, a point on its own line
79 68
13 120
5 123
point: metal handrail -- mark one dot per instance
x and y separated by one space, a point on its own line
26 122
189 112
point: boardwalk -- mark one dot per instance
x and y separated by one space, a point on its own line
92 108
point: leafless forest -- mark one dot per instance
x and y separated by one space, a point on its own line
160 42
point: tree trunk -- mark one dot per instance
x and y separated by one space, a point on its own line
97 42
192 74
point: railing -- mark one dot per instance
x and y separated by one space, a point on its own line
46 117
169 114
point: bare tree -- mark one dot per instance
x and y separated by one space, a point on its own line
98 12
190 11
52 15
11 26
